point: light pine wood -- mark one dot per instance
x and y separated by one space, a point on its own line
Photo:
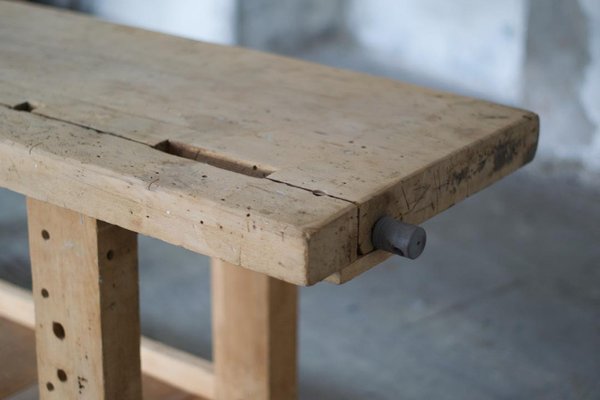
358 267
152 390
85 290
254 335
262 225
176 369
18 376
155 389
317 153
16 304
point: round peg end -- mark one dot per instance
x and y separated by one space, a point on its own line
400 238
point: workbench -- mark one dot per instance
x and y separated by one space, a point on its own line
276 168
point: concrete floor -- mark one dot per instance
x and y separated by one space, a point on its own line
504 303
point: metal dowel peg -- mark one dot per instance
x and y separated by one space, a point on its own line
397 237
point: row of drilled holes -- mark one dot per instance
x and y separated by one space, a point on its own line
57 328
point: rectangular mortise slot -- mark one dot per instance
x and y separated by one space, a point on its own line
211 158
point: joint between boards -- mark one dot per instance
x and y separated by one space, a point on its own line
183 150
322 193
316 192
34 108
171 147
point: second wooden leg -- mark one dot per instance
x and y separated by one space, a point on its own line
254 335
85 289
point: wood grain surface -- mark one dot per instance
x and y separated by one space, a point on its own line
274 164
85 290
254 335
18 379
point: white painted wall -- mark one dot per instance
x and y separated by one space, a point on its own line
475 45
540 54
276 25
208 20
590 88
562 72
286 25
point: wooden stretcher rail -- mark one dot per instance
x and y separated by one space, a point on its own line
19 378
164 363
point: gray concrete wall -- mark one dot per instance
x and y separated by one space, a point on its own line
274 25
287 25
561 78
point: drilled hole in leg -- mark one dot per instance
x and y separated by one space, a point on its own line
49 386
45 234
110 255
58 330
45 293
62 375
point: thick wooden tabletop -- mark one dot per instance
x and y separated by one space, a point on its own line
273 164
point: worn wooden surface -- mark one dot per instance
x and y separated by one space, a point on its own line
277 165
166 369
254 335
180 369
18 377
85 290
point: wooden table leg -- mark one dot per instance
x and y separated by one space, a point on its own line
254 335
85 289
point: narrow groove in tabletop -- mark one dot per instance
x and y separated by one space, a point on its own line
206 156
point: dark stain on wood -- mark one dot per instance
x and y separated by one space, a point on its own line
505 153
461 175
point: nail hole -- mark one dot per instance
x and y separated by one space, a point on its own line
45 234
24 106
45 293
62 375
110 255
58 330
49 386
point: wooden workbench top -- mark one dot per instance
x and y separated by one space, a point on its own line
274 164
